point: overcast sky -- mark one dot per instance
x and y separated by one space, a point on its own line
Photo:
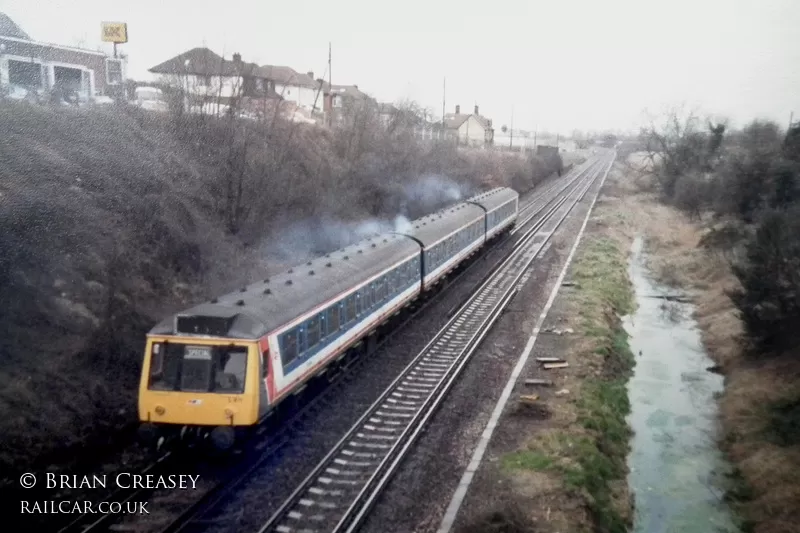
561 64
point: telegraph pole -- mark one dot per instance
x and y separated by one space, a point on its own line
330 87
444 96
511 139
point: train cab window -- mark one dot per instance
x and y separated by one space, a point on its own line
196 369
289 347
313 331
230 371
165 364
265 364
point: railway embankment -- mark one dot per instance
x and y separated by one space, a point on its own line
112 218
557 461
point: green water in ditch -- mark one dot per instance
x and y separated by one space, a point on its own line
677 473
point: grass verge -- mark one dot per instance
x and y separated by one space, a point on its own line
584 452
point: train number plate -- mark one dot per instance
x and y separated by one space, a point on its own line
198 352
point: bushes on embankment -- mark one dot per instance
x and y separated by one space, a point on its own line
745 186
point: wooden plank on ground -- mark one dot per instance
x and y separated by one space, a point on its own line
549 359
550 366
539 382
529 398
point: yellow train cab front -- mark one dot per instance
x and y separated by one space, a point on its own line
199 382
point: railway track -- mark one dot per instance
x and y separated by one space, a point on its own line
339 492
261 452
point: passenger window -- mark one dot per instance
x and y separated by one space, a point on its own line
333 319
351 308
289 347
313 331
302 344
265 364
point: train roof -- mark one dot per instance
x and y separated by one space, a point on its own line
493 198
434 227
261 307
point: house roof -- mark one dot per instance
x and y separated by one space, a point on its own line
453 121
350 91
386 108
9 28
286 76
203 62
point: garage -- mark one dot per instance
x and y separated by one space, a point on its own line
25 74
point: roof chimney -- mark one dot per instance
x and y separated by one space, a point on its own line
310 74
237 58
458 109
476 109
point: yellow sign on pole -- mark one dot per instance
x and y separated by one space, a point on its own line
115 32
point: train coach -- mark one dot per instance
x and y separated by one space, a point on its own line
215 371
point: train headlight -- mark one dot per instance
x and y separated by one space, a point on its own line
229 412
160 410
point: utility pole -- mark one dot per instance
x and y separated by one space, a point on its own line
444 96
511 139
330 87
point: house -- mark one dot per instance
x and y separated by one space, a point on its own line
295 87
387 113
469 129
207 77
33 67
568 145
343 100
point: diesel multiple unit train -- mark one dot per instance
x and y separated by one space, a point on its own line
218 369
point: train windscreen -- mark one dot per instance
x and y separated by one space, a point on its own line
188 368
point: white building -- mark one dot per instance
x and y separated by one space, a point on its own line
292 86
470 129
203 74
